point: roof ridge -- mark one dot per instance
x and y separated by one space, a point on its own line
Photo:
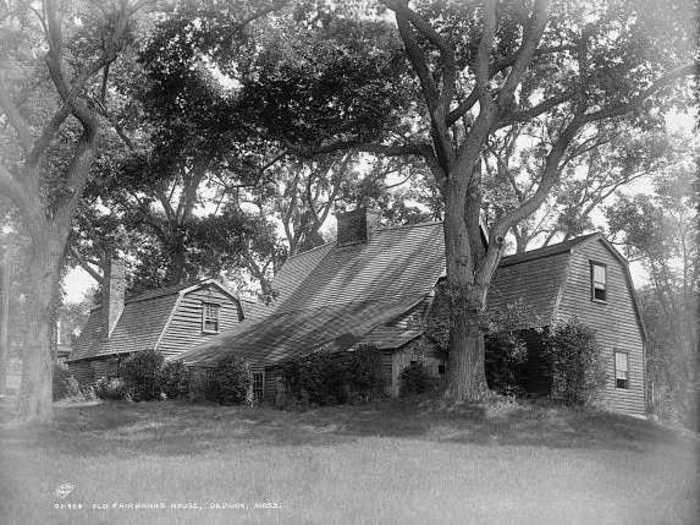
173 289
311 249
386 228
547 251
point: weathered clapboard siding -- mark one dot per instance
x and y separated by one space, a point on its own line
184 328
88 371
388 371
417 350
83 372
615 321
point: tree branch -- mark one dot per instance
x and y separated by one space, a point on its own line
447 54
85 266
48 134
462 108
662 82
531 39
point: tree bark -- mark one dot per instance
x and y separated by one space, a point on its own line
466 376
35 396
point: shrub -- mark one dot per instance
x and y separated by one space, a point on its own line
505 355
321 378
578 372
64 384
414 379
364 374
110 388
141 373
316 378
175 380
230 382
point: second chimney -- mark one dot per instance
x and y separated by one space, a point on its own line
356 226
113 289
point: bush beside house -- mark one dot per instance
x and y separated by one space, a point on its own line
141 373
111 388
323 378
144 376
578 372
230 382
415 379
175 380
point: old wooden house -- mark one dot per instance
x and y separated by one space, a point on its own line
168 320
379 287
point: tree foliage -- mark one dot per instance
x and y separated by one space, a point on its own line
577 366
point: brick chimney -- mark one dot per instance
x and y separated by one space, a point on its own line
356 226
113 289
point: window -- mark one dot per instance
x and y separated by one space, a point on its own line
257 386
441 370
622 377
210 318
599 283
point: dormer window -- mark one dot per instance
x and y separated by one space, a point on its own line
599 281
210 318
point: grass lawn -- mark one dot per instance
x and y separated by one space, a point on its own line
388 462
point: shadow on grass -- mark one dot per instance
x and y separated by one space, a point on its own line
174 428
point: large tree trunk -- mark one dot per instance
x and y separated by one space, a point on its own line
466 377
35 397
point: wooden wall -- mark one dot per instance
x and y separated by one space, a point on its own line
417 350
185 328
614 321
87 371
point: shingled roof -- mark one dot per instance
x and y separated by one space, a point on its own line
335 295
338 295
139 327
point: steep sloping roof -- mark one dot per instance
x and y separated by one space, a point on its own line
287 333
337 295
533 281
140 325
402 261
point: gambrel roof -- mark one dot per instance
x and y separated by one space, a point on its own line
534 278
335 296
140 325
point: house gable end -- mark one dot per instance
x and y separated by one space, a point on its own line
184 328
615 319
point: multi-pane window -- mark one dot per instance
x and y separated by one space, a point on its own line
599 281
622 375
258 386
210 317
